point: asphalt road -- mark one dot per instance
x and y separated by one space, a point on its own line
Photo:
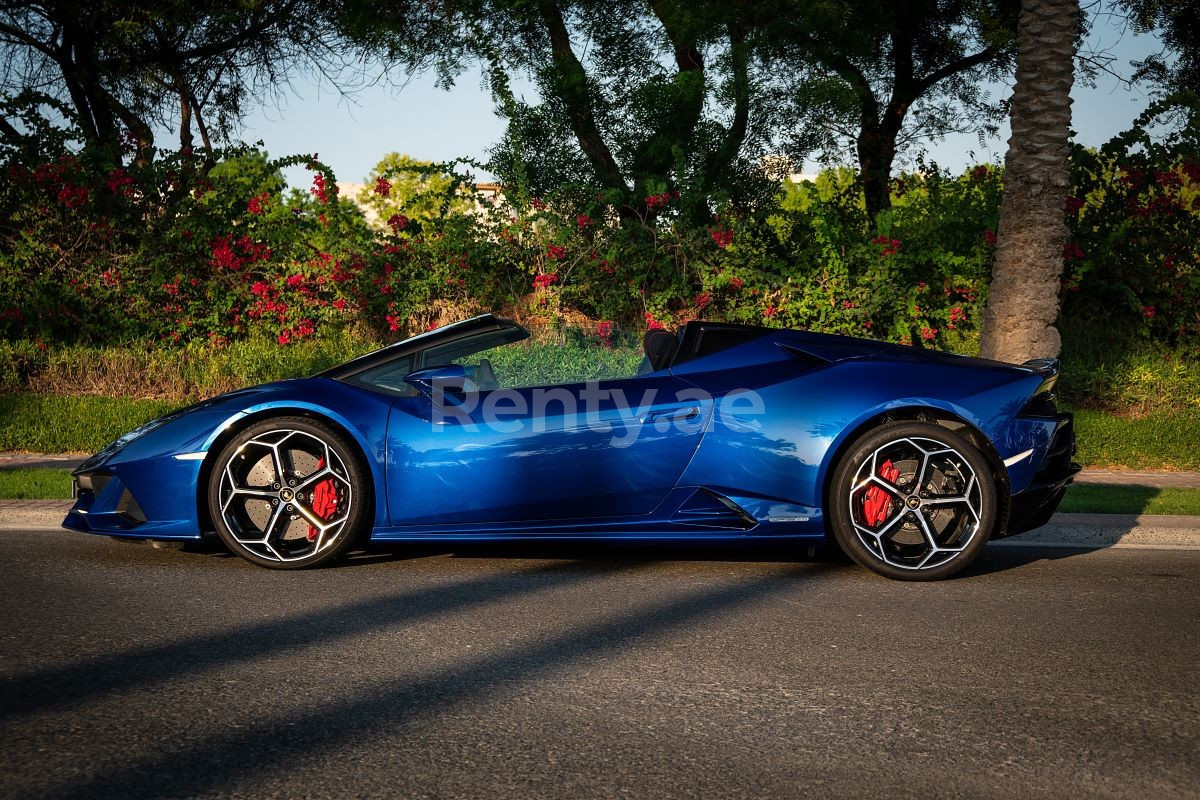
573 671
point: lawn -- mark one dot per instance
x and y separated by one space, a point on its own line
1104 499
1158 440
41 423
35 484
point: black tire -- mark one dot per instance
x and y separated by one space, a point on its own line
289 493
874 501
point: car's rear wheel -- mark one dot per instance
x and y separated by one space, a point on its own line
913 501
288 493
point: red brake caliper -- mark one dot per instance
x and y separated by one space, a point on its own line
876 501
325 500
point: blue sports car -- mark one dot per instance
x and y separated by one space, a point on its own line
909 459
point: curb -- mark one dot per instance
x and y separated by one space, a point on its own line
1092 531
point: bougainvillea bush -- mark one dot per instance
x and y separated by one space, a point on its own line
205 249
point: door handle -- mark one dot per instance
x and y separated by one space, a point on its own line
671 414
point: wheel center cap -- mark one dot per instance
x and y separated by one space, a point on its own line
914 502
286 495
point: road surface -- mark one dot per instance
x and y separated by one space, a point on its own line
589 671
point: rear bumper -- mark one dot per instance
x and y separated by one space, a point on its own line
1033 507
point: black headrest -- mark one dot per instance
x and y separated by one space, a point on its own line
660 347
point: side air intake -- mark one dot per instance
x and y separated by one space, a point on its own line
710 510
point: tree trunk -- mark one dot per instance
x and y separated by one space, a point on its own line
1022 308
185 122
876 154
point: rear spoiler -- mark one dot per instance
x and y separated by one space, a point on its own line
1048 368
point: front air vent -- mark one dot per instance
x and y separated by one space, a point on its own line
129 510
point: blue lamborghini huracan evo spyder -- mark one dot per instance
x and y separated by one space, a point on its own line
909 459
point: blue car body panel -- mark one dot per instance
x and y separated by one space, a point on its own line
735 469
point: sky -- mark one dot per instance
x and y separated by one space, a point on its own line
435 124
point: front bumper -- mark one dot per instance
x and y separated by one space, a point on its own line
152 498
1032 507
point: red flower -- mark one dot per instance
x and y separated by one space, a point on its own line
582 221
339 304
604 329
1073 204
723 237
295 280
653 324
543 281
118 181
890 246
258 204
321 189
1072 251
703 299
928 334
383 187
223 255
1148 312
736 283
393 322
989 236
770 311
72 196
658 200
980 173
284 337
847 304
555 252
539 204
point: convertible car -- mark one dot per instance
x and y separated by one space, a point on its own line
909 459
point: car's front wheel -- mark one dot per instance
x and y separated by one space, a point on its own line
913 501
288 493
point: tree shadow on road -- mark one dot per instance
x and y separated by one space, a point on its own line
223 761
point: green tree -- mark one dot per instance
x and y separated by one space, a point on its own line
638 99
123 66
875 78
417 190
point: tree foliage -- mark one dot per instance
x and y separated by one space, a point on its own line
121 68
877 78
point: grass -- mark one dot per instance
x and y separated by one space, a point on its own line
35 484
1167 439
55 424
55 484
1103 499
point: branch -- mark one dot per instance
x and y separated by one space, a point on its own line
955 67
570 84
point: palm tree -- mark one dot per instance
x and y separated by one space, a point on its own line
1022 308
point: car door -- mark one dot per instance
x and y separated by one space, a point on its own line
598 450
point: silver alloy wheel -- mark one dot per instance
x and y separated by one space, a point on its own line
915 503
285 495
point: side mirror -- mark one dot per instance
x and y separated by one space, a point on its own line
442 382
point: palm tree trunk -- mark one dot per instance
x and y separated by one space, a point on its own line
1022 308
